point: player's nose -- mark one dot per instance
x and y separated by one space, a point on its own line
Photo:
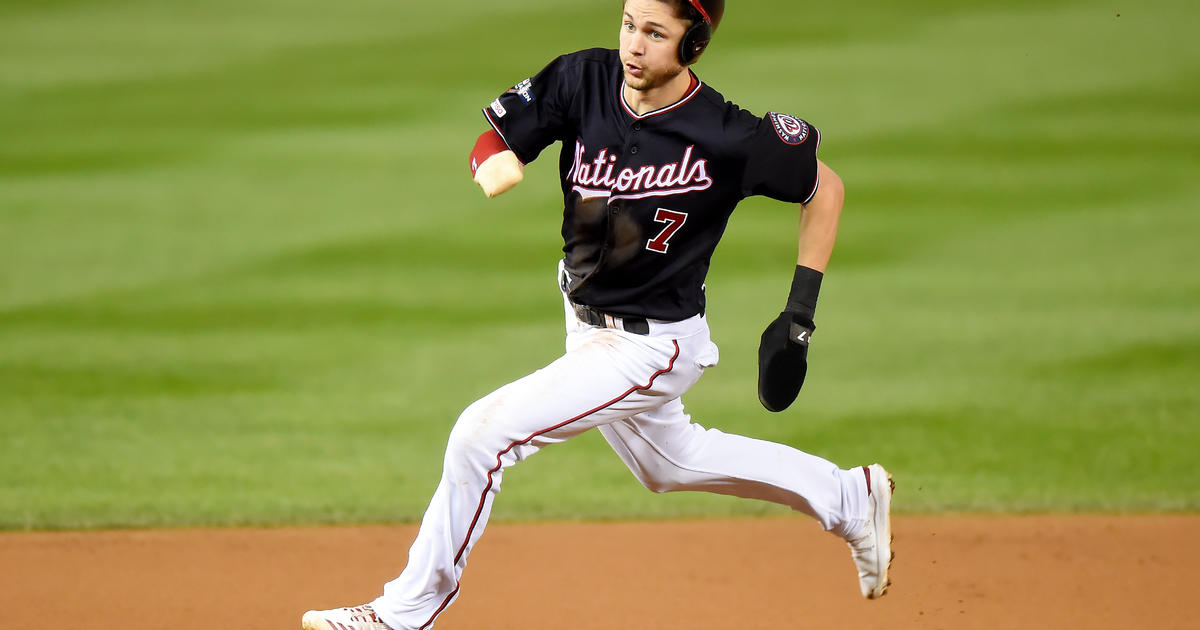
635 46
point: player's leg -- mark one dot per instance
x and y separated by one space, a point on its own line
667 452
604 376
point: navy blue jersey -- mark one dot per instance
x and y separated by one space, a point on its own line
647 197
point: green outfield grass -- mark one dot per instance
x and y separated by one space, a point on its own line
245 276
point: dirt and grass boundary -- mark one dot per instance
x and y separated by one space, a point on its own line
1088 572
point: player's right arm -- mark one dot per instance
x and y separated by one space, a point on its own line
494 166
525 120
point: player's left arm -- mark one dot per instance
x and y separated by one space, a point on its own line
783 350
819 221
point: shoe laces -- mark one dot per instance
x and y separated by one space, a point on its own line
364 613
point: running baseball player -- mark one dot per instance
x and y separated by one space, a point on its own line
653 162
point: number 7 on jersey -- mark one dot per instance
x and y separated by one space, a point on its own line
674 221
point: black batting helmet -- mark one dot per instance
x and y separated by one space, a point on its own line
707 15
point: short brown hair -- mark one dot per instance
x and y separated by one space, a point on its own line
683 10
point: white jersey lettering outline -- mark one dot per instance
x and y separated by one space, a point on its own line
595 178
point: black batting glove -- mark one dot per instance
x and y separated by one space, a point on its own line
783 349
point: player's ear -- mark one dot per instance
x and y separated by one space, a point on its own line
694 42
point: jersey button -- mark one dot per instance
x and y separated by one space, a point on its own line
633 149
637 126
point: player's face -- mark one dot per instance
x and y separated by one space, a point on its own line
650 35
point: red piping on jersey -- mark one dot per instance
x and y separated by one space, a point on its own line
496 128
693 90
499 465
817 183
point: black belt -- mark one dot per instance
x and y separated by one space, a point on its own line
596 317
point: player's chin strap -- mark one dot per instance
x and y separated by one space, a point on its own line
783 350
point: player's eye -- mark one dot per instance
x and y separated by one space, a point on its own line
657 35
629 26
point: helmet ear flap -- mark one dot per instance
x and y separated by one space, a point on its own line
694 41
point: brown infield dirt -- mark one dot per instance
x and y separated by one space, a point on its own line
1021 572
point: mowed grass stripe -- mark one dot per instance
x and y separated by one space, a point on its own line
246 279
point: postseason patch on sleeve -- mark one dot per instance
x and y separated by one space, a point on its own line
524 89
791 130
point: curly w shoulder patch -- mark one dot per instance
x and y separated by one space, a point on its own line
790 129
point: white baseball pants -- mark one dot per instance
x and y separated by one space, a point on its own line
628 386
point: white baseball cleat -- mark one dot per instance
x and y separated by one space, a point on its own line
353 618
871 547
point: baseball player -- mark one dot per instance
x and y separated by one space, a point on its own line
652 164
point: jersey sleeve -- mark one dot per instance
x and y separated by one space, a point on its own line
534 113
782 159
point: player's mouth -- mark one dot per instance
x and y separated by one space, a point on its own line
632 70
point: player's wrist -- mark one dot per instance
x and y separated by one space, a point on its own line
489 143
499 173
802 299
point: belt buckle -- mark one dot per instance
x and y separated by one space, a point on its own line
587 315
596 317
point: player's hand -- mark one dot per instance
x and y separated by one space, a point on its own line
499 173
783 359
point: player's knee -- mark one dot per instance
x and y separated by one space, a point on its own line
659 481
673 466
475 435
659 486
